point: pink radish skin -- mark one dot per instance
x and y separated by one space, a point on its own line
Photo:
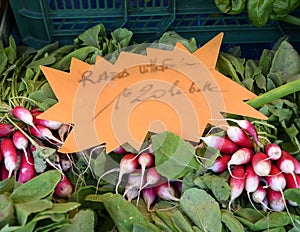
248 127
9 153
292 182
273 151
220 164
276 201
223 144
43 132
65 164
27 171
275 179
238 136
148 196
120 150
3 172
295 161
64 188
261 164
237 183
21 142
166 192
252 179
5 130
259 194
131 193
285 164
128 164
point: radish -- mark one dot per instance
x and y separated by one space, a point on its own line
295 161
276 200
238 136
220 163
43 132
120 150
273 151
275 179
64 187
259 194
251 179
5 129
131 193
285 164
223 144
53 125
148 196
128 164
248 127
241 156
23 115
237 183
166 192
27 171
65 164
152 177
3 172
133 181
261 164
9 153
292 182
20 141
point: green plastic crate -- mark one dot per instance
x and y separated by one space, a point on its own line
40 22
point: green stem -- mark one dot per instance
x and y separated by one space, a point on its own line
291 19
274 94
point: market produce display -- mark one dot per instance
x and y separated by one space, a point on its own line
241 176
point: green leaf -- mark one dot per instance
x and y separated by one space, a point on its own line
261 82
251 69
59 208
47 60
122 36
202 209
6 210
173 156
181 222
90 36
286 62
84 220
3 61
7 185
46 104
123 213
226 68
160 223
32 189
218 185
46 49
23 210
11 50
265 61
237 63
166 217
231 222
293 195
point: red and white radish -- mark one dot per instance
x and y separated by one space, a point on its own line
251 179
166 192
152 177
273 151
9 153
4 174
292 182
237 183
5 129
295 161
64 188
223 144
128 164
53 125
239 137
23 115
220 164
43 132
261 164
241 156
27 170
21 142
247 126
131 193
276 200
275 179
148 196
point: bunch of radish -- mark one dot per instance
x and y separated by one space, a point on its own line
20 134
263 172
139 177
